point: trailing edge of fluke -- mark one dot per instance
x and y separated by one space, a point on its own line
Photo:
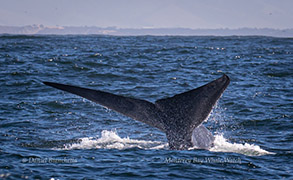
180 116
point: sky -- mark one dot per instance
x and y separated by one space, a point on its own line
193 14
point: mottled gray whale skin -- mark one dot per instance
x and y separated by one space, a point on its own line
180 116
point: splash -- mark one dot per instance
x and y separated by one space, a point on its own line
222 145
111 140
220 119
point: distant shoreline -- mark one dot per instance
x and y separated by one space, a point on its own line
93 30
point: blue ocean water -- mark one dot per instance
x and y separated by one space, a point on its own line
49 134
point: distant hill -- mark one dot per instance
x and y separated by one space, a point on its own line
62 30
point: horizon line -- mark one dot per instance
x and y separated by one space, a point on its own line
147 27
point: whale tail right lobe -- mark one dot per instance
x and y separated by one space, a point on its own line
188 110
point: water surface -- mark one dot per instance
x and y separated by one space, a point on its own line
46 133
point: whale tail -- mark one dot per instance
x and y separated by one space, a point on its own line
177 116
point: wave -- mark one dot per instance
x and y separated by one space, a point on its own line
111 140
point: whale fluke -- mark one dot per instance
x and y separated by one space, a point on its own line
137 109
180 116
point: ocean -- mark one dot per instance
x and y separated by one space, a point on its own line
50 134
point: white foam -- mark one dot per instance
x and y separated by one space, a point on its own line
222 145
111 140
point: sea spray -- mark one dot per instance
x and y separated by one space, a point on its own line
111 140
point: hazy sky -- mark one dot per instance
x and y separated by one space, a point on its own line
149 13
